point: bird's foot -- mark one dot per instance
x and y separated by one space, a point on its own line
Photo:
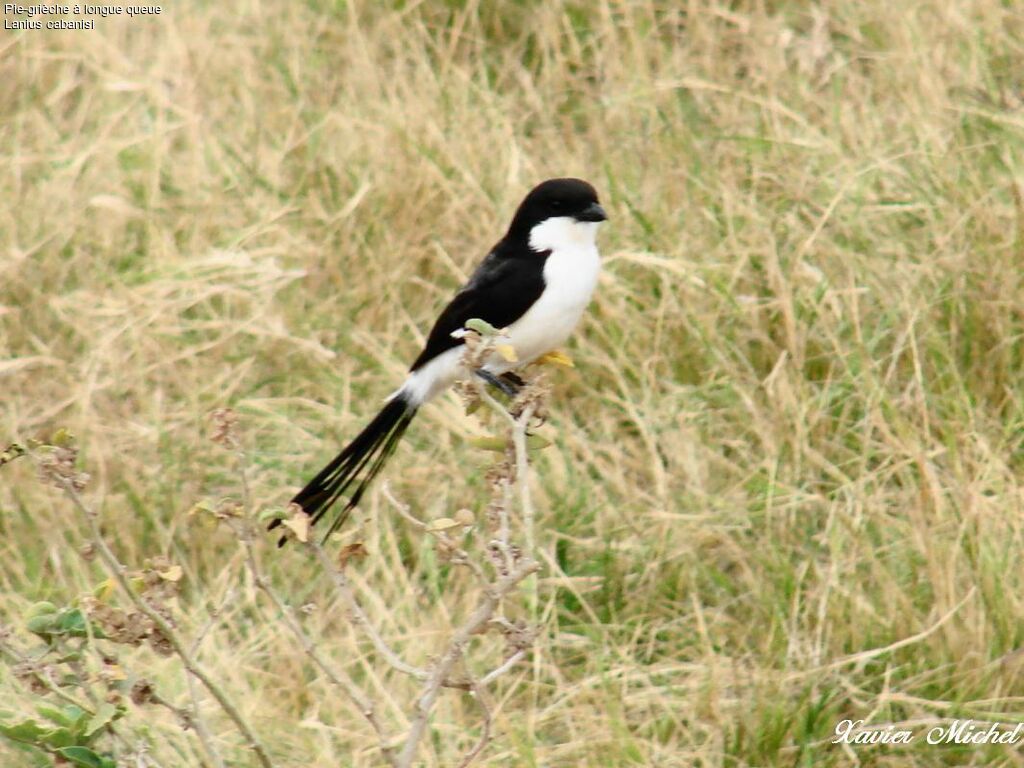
509 383
514 380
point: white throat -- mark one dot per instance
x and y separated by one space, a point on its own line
560 232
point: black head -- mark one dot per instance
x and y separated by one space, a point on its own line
557 197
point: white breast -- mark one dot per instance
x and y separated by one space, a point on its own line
570 276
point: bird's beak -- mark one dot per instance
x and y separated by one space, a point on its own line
593 212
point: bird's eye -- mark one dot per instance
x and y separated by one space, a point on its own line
556 204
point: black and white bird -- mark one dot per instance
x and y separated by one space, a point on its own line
535 283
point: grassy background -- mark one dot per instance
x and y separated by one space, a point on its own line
787 481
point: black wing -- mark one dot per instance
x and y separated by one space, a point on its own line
500 291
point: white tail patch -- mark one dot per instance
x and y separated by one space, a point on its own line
432 378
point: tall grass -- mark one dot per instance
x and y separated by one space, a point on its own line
787 485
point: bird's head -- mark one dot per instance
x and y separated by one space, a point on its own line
558 213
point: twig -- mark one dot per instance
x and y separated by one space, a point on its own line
143 759
362 702
191 720
117 571
41 675
44 678
497 672
522 481
485 727
244 535
402 509
197 721
459 555
442 670
517 428
515 571
359 616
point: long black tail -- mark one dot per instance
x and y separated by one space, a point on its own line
356 466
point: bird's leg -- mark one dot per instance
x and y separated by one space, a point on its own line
508 383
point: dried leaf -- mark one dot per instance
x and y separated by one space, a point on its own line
298 525
173 573
350 552
442 524
114 672
204 505
10 453
228 508
464 517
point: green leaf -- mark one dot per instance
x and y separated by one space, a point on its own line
84 756
59 737
70 622
44 625
43 608
537 442
271 513
489 443
481 326
499 444
31 732
104 715
27 731
73 623
69 716
62 438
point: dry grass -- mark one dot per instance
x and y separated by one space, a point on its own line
795 437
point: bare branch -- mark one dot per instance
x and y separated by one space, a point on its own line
485 727
360 699
522 484
359 616
497 672
517 567
456 647
243 533
402 509
459 555
196 720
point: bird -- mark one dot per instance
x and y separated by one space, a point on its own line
534 284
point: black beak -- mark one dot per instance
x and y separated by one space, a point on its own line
593 212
